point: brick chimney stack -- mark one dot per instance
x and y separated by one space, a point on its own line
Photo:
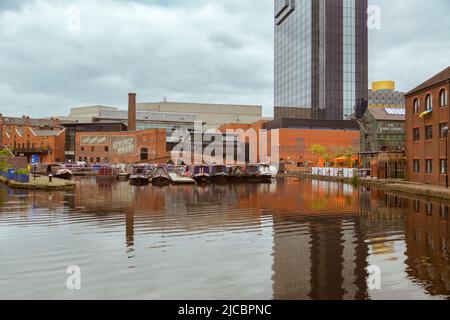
132 112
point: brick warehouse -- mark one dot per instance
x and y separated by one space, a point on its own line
120 147
427 139
131 146
27 137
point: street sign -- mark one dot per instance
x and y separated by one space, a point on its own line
35 159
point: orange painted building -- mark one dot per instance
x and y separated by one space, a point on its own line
29 137
121 147
296 141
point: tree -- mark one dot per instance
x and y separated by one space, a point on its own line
318 150
4 155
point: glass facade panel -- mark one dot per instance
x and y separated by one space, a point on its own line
321 57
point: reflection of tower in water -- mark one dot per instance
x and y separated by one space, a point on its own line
322 259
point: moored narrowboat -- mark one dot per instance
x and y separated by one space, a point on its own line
139 176
161 177
219 174
201 173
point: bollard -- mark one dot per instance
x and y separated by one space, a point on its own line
50 177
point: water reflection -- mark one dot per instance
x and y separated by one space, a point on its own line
293 239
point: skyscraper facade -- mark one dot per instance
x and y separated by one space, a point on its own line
321 58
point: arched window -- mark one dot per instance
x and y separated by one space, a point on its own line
429 102
416 106
144 153
443 98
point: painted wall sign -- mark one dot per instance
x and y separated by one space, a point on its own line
94 140
123 145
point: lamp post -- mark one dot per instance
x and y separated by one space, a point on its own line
446 155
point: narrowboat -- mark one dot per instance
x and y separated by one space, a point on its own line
178 175
219 174
236 174
265 173
139 176
201 173
161 177
251 174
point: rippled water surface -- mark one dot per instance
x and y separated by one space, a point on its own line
293 239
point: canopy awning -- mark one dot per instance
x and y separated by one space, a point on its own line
423 114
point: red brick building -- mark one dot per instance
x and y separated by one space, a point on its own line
427 121
26 137
121 147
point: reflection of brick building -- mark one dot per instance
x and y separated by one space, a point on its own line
426 117
27 137
121 147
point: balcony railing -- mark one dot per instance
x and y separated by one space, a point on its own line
35 150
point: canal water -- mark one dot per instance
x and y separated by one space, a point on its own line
293 239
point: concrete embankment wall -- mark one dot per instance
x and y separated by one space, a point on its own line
395 186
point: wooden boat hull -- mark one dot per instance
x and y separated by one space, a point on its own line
202 179
139 181
161 181
64 176
220 178
236 179
123 177
253 179
266 178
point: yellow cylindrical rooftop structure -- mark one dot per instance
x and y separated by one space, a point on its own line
383 85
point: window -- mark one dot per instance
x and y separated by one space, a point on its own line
80 159
443 166
92 148
144 153
429 102
443 99
416 134
443 130
429 132
416 106
417 205
82 148
106 148
444 212
429 209
416 166
91 160
98 159
429 166
106 160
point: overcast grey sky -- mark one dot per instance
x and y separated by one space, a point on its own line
218 51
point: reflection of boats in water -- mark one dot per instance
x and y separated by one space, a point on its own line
236 174
139 176
201 173
178 175
219 174
123 176
106 173
161 177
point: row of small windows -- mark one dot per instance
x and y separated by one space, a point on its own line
106 148
443 101
443 132
429 209
443 166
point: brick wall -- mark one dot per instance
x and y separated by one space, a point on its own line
120 147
